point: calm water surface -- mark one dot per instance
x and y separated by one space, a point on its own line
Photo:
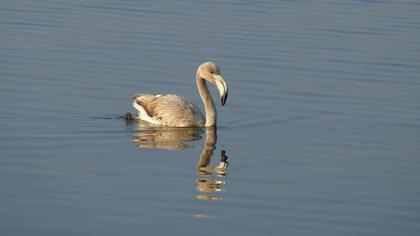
320 135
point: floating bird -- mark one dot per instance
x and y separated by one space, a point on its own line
177 111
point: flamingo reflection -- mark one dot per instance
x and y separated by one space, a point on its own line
211 177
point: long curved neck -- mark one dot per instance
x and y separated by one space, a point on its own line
211 115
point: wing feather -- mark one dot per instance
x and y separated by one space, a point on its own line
169 110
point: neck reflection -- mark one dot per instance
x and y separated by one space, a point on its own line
211 177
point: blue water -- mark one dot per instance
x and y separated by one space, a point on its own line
321 129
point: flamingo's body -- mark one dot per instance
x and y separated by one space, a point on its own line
177 111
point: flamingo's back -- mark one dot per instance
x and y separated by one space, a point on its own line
168 110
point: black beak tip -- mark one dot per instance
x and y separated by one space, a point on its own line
223 99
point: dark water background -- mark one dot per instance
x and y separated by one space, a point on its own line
321 129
